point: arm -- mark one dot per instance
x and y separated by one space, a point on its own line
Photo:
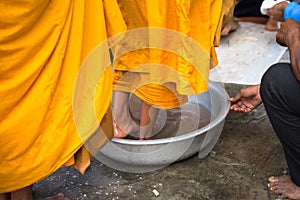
289 35
276 12
284 10
289 32
294 49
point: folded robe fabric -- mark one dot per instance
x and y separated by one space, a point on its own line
42 46
197 19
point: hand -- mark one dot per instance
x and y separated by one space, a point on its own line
246 100
289 33
276 12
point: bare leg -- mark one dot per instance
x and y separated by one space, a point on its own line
22 194
5 196
26 194
123 123
283 108
230 27
148 117
284 186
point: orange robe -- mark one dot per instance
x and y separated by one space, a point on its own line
42 46
170 75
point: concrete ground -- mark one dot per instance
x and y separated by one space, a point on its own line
238 167
246 154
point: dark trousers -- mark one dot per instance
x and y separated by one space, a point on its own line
280 92
248 8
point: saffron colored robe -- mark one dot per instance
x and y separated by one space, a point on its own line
158 85
42 46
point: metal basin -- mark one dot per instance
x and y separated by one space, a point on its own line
148 155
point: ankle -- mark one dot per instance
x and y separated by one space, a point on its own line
5 196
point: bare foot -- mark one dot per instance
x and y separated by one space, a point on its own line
271 25
230 27
23 193
59 196
134 132
125 130
118 132
284 186
123 122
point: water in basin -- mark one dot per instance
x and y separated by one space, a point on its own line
173 122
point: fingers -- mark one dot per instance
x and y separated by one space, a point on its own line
245 100
241 109
248 105
240 106
247 92
237 104
276 12
236 98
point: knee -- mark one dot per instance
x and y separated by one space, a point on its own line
276 80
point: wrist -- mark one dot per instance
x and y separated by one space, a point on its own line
258 93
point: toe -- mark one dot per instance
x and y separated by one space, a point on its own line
272 179
118 133
59 196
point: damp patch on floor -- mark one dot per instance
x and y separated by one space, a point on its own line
244 55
